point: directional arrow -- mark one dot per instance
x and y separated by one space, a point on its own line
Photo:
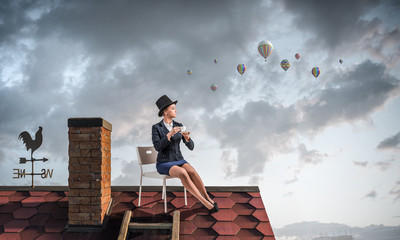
42 159
38 160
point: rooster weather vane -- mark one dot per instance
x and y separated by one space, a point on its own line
33 145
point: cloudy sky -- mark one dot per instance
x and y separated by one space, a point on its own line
324 149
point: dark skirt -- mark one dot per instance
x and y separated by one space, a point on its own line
163 168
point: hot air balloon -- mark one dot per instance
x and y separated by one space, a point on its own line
315 72
285 64
341 61
214 87
265 49
189 72
241 68
297 56
215 61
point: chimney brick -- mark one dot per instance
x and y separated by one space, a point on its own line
89 170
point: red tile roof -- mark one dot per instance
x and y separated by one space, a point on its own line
43 214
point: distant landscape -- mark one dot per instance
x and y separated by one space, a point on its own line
311 230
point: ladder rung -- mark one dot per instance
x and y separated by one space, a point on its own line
150 225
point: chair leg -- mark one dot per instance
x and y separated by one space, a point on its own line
165 195
184 189
163 190
140 189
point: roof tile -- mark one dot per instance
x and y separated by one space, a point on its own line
147 194
243 209
126 197
260 214
265 228
6 193
39 219
32 201
221 194
60 213
31 232
224 202
38 194
16 225
3 200
257 203
121 207
203 221
10 207
25 213
240 197
146 202
63 202
186 237
55 226
10 236
179 202
48 207
254 194
186 227
5 217
50 236
182 194
225 215
249 234
204 234
54 196
227 238
187 214
246 221
18 196
226 228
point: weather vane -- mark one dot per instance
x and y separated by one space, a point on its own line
33 145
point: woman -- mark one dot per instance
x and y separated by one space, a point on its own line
166 136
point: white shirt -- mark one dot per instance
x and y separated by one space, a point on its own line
168 126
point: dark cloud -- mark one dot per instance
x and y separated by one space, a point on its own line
395 191
310 156
390 143
371 194
333 23
361 164
384 165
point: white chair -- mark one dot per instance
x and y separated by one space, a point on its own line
148 155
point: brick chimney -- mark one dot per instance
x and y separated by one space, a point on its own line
89 171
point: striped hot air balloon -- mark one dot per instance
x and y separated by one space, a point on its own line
214 87
315 72
285 64
241 68
265 49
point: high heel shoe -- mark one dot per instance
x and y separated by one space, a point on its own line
214 209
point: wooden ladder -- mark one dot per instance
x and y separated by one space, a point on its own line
126 225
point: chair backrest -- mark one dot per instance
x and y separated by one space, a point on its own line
146 155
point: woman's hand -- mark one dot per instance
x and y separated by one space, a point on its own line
174 131
186 136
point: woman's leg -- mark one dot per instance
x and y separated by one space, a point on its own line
197 181
181 173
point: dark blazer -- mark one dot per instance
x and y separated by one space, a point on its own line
168 151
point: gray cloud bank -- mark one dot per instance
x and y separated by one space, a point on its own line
65 59
392 142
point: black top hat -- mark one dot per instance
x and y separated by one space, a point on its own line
163 102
